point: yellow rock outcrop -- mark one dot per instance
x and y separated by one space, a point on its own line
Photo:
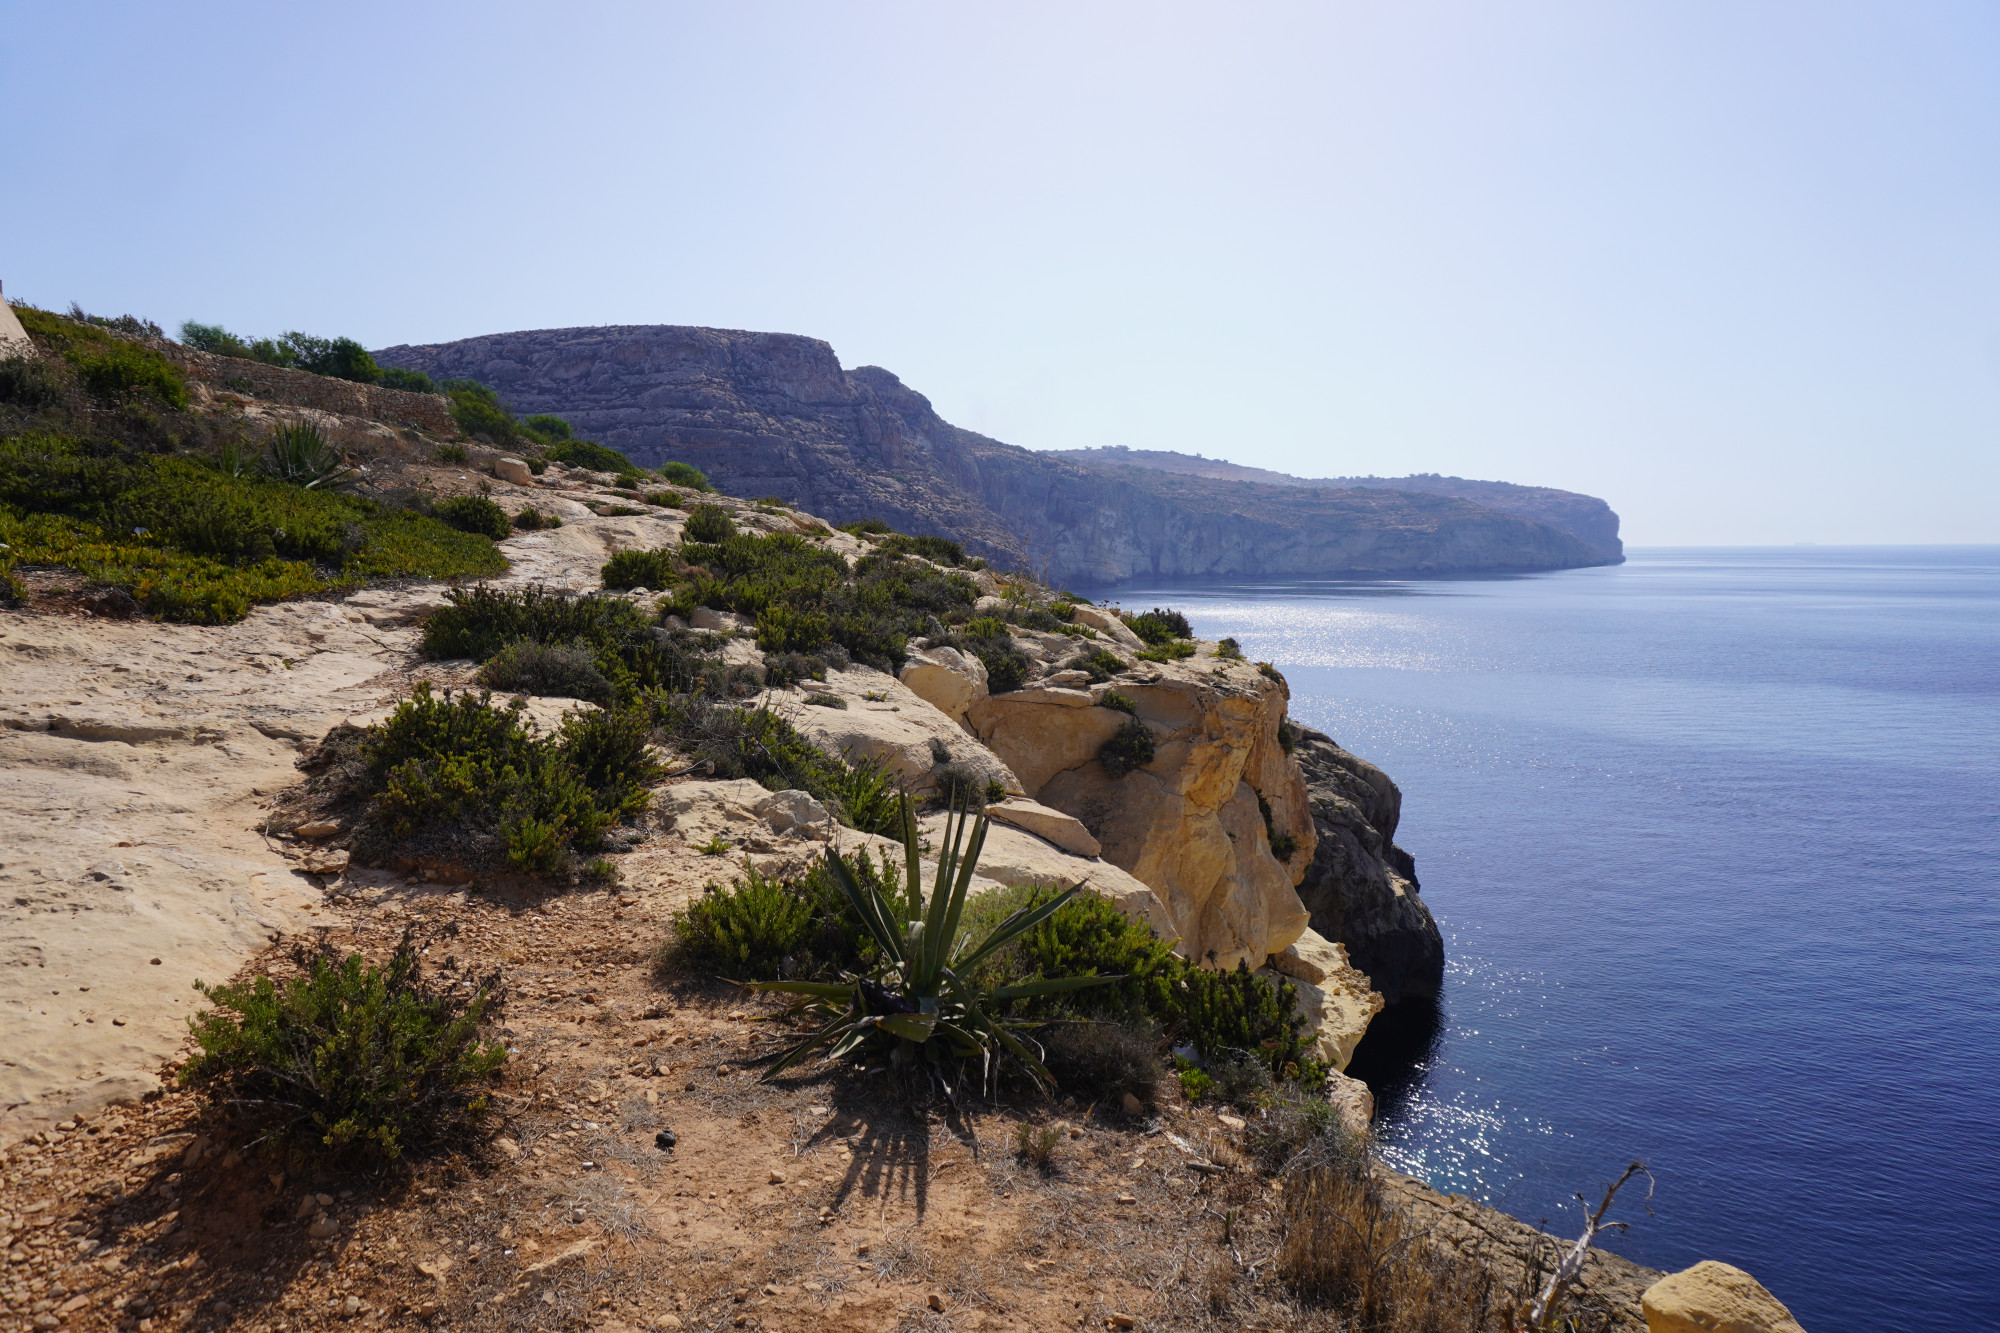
1714 1297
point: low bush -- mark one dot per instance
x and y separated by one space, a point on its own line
1101 665
866 527
480 777
1229 650
938 550
1173 651
451 453
589 455
478 412
685 474
338 358
763 929
1159 626
1238 1016
409 381
475 513
1117 702
549 427
638 569
987 639
1283 844
1269 672
1131 747
32 382
709 524
1087 936
1104 1062
548 670
533 520
112 369
662 499
730 742
203 541
351 1060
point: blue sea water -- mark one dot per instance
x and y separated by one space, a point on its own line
1714 840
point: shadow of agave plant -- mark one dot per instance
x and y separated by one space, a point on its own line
916 1003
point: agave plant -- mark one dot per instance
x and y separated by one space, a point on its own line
301 454
918 1002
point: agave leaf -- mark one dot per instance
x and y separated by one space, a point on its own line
829 990
910 1027
1028 990
1024 920
912 857
984 1023
963 888
868 905
804 1048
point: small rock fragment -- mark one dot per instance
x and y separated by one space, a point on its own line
1132 1105
665 1140
1126 1198
1235 1122
1121 1321
936 1301
777 1177
318 828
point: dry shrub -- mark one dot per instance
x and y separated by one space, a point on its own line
1347 1248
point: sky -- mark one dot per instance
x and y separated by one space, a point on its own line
1734 267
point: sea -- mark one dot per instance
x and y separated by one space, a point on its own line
1713 837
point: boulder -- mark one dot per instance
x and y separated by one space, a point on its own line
1714 1297
1065 831
513 470
1351 1098
1015 857
1040 732
896 728
1335 998
791 810
703 811
947 679
719 622
1109 625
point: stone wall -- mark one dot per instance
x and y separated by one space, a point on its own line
302 388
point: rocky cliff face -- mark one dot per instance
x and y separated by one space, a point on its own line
1584 517
768 413
1360 888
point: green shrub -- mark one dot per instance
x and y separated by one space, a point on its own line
1159 626
1117 702
31 381
196 543
1229 650
709 524
533 520
114 371
639 569
409 381
477 411
866 527
477 775
663 499
1239 1016
939 550
339 358
474 513
1131 747
549 427
588 455
352 1060
684 474
1269 672
551 670
1288 735
1087 936
451 453
750 931
1167 652
1100 664
300 454
784 629
730 742
1283 844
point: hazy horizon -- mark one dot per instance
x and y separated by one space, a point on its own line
1736 271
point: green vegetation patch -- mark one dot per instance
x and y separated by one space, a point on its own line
353 1060
111 369
588 455
1160 626
686 475
203 540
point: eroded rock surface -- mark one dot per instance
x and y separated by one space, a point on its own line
1360 888
1714 1297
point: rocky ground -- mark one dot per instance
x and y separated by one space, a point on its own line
147 777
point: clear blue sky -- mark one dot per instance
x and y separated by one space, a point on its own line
1732 266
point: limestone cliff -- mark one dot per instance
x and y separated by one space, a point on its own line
1360 888
776 414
